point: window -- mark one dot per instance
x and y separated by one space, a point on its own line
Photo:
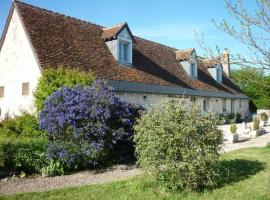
25 88
224 106
193 69
219 74
123 52
205 105
2 91
240 103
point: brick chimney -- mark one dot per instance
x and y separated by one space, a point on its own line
225 61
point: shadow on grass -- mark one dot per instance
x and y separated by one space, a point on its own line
236 170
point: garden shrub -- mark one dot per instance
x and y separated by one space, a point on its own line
26 125
95 120
256 123
233 128
53 79
222 119
180 148
19 154
264 116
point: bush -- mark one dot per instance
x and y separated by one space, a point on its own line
180 148
25 125
264 117
256 123
233 128
53 79
221 119
19 154
92 118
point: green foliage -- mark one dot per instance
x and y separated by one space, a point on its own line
264 117
25 125
256 123
255 84
180 148
246 177
222 119
52 79
22 155
54 167
233 128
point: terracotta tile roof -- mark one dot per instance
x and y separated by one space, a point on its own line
183 54
210 63
61 40
112 31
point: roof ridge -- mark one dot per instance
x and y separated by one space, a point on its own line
166 46
116 25
55 13
84 21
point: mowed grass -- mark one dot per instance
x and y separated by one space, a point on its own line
248 177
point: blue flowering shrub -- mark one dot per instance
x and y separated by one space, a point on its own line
88 127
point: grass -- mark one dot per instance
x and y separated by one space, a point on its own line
247 177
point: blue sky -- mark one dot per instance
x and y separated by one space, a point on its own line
170 22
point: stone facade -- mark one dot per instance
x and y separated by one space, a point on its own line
215 105
18 65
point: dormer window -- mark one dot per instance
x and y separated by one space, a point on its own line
219 73
214 68
123 52
193 68
188 60
119 40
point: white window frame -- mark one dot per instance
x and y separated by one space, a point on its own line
206 105
124 56
224 105
193 69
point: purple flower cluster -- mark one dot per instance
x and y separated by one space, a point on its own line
94 118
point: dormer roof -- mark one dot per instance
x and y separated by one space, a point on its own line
184 54
112 32
210 63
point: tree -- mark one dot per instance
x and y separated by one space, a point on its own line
252 28
255 84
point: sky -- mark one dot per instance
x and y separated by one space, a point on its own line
169 22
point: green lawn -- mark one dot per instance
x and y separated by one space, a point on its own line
249 179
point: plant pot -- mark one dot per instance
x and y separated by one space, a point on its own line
263 123
261 131
254 133
233 138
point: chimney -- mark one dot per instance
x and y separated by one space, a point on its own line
225 61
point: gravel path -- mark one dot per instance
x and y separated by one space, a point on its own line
35 184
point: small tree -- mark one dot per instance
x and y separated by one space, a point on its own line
180 148
233 128
264 117
53 79
256 123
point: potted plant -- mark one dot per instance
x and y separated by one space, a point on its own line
264 118
231 118
256 126
233 137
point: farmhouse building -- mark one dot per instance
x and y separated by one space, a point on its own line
141 71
